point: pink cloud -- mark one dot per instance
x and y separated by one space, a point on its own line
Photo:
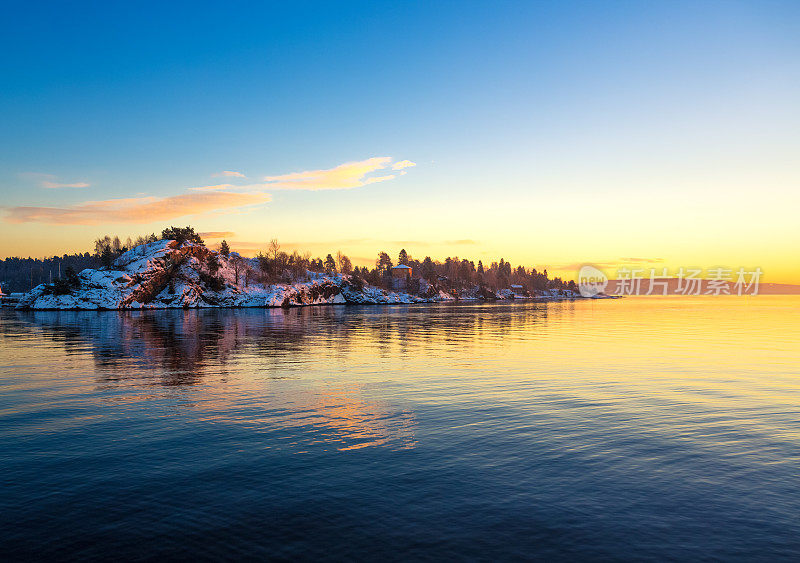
50 182
215 187
56 185
217 234
136 210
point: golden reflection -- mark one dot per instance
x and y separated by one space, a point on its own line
354 377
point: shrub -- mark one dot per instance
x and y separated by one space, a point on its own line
72 277
213 263
356 282
214 283
65 285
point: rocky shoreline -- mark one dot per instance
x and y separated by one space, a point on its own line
168 274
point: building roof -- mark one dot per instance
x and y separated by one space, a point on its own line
401 266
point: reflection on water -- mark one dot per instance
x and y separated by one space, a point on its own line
633 428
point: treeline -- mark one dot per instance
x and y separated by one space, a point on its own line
18 275
460 273
451 274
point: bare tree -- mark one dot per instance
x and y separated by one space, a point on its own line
274 249
345 266
238 264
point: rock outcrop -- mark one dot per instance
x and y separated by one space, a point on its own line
167 274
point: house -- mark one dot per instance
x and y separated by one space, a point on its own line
400 275
517 290
401 271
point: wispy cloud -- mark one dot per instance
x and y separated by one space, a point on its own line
345 176
56 185
413 243
217 234
640 260
607 264
214 188
403 164
136 210
228 174
50 182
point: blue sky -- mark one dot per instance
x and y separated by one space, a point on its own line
523 119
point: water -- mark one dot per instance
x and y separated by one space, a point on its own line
665 428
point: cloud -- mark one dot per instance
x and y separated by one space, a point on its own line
214 188
49 181
217 234
403 164
228 174
345 176
578 265
200 199
412 243
56 185
136 210
607 264
640 260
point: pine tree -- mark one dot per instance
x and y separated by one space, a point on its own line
330 264
181 234
428 271
383 263
224 249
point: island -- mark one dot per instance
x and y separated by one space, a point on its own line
185 273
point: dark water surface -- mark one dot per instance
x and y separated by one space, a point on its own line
664 428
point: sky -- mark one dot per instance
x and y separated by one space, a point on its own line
551 134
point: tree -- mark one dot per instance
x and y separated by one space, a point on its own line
480 267
428 271
107 257
238 266
402 258
345 266
213 263
274 249
383 263
71 277
330 264
465 270
181 234
224 249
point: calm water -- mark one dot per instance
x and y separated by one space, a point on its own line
629 429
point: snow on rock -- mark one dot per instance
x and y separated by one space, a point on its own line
166 274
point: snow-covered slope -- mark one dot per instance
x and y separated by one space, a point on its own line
166 274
